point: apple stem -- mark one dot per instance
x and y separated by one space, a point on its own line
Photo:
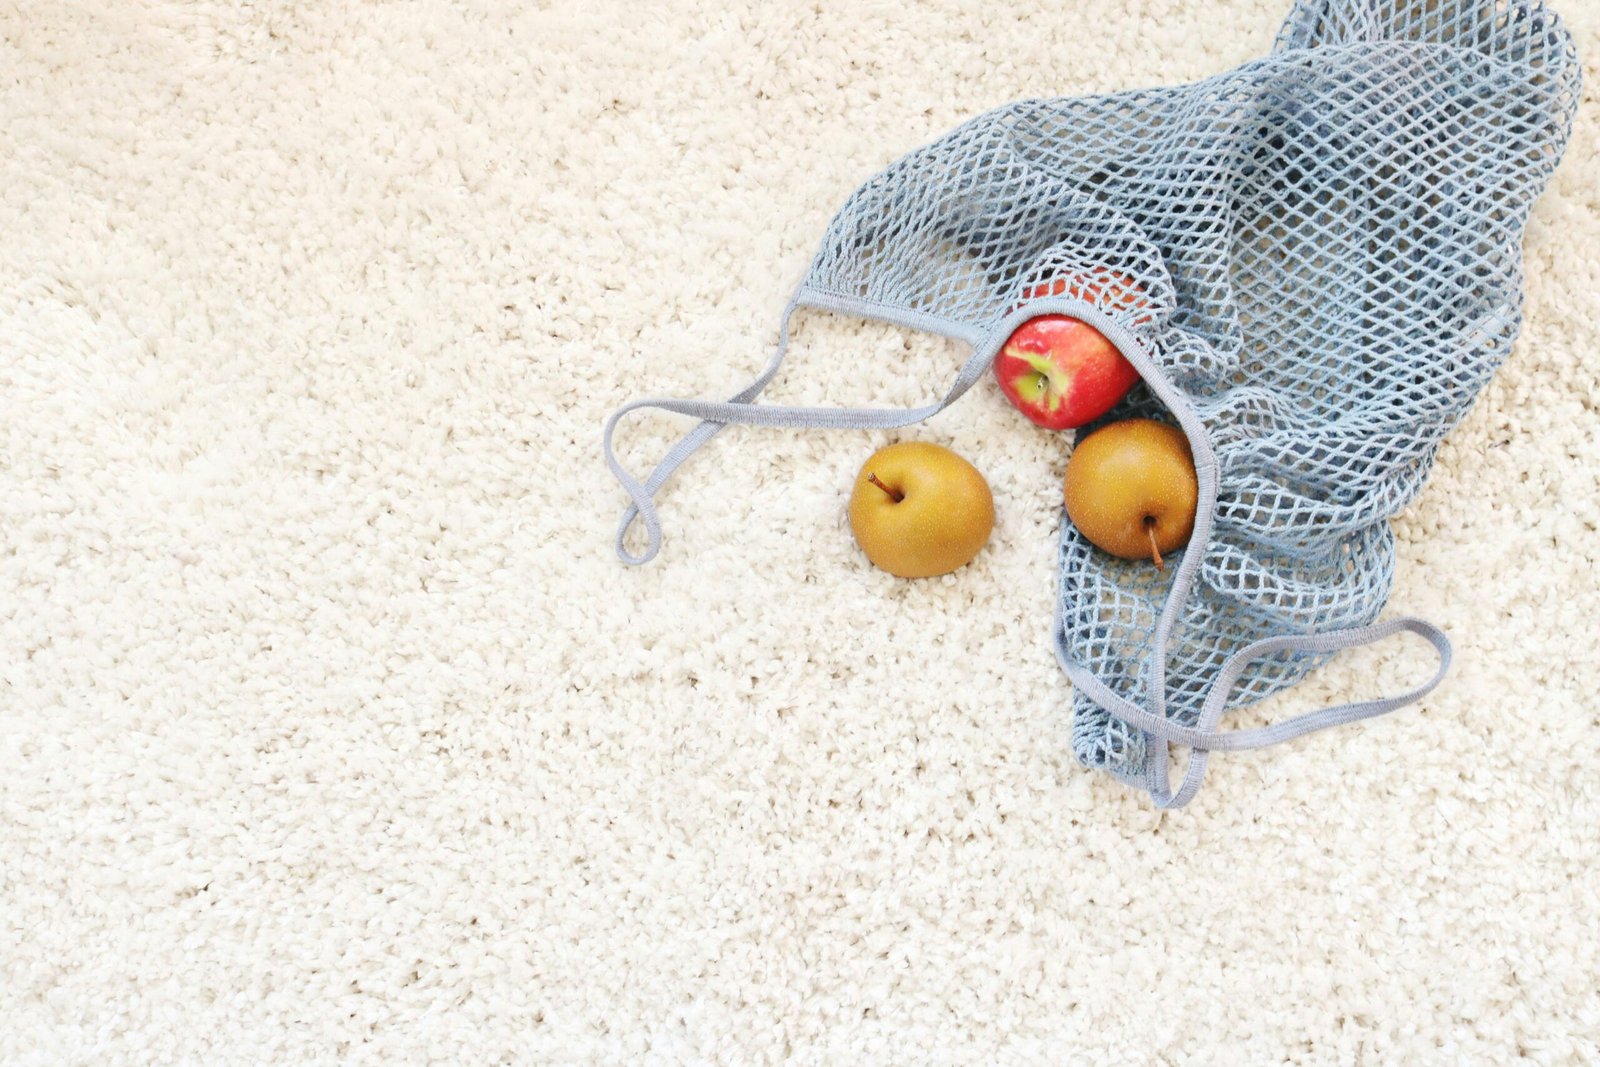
894 494
1155 552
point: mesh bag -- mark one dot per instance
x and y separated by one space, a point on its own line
1313 260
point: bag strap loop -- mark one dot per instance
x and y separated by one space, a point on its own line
741 408
1204 738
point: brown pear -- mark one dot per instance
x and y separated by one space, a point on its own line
919 510
1131 489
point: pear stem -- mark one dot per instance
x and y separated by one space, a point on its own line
894 494
1155 552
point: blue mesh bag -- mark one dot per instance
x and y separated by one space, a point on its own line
1317 266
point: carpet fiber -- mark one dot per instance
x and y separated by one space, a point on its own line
333 730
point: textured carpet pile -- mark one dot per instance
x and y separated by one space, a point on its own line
332 730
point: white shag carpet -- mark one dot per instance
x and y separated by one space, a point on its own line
332 730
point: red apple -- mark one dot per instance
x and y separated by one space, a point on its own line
1061 372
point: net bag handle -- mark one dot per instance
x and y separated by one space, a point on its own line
741 408
1204 738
